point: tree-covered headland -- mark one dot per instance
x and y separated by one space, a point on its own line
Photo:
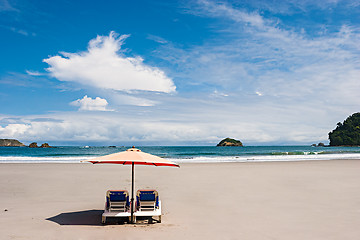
346 133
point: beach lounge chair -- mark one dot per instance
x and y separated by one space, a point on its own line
117 204
148 204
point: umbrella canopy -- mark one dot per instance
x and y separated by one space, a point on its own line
133 156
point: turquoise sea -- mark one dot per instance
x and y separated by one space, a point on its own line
63 154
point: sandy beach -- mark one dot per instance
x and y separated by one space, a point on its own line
275 200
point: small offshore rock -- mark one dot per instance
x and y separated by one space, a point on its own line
45 145
33 145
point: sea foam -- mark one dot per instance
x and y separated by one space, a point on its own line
268 158
198 159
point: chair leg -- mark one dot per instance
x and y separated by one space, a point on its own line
103 220
134 217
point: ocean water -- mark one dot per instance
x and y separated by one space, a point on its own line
182 154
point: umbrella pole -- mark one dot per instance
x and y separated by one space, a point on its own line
132 192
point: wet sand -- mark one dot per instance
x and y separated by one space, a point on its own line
274 200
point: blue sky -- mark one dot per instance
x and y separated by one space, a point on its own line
177 72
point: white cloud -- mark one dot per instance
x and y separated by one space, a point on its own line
34 73
19 31
14 130
89 104
252 53
157 39
5 6
216 93
201 123
210 8
123 99
104 66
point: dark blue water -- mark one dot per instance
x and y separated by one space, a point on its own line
184 154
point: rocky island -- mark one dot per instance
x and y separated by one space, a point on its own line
16 143
318 145
230 142
44 145
10 143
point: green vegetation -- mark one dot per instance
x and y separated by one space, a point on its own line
346 133
230 142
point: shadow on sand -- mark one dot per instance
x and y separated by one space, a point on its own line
88 217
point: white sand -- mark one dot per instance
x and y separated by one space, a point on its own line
277 200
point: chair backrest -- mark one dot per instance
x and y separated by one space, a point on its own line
147 199
117 199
